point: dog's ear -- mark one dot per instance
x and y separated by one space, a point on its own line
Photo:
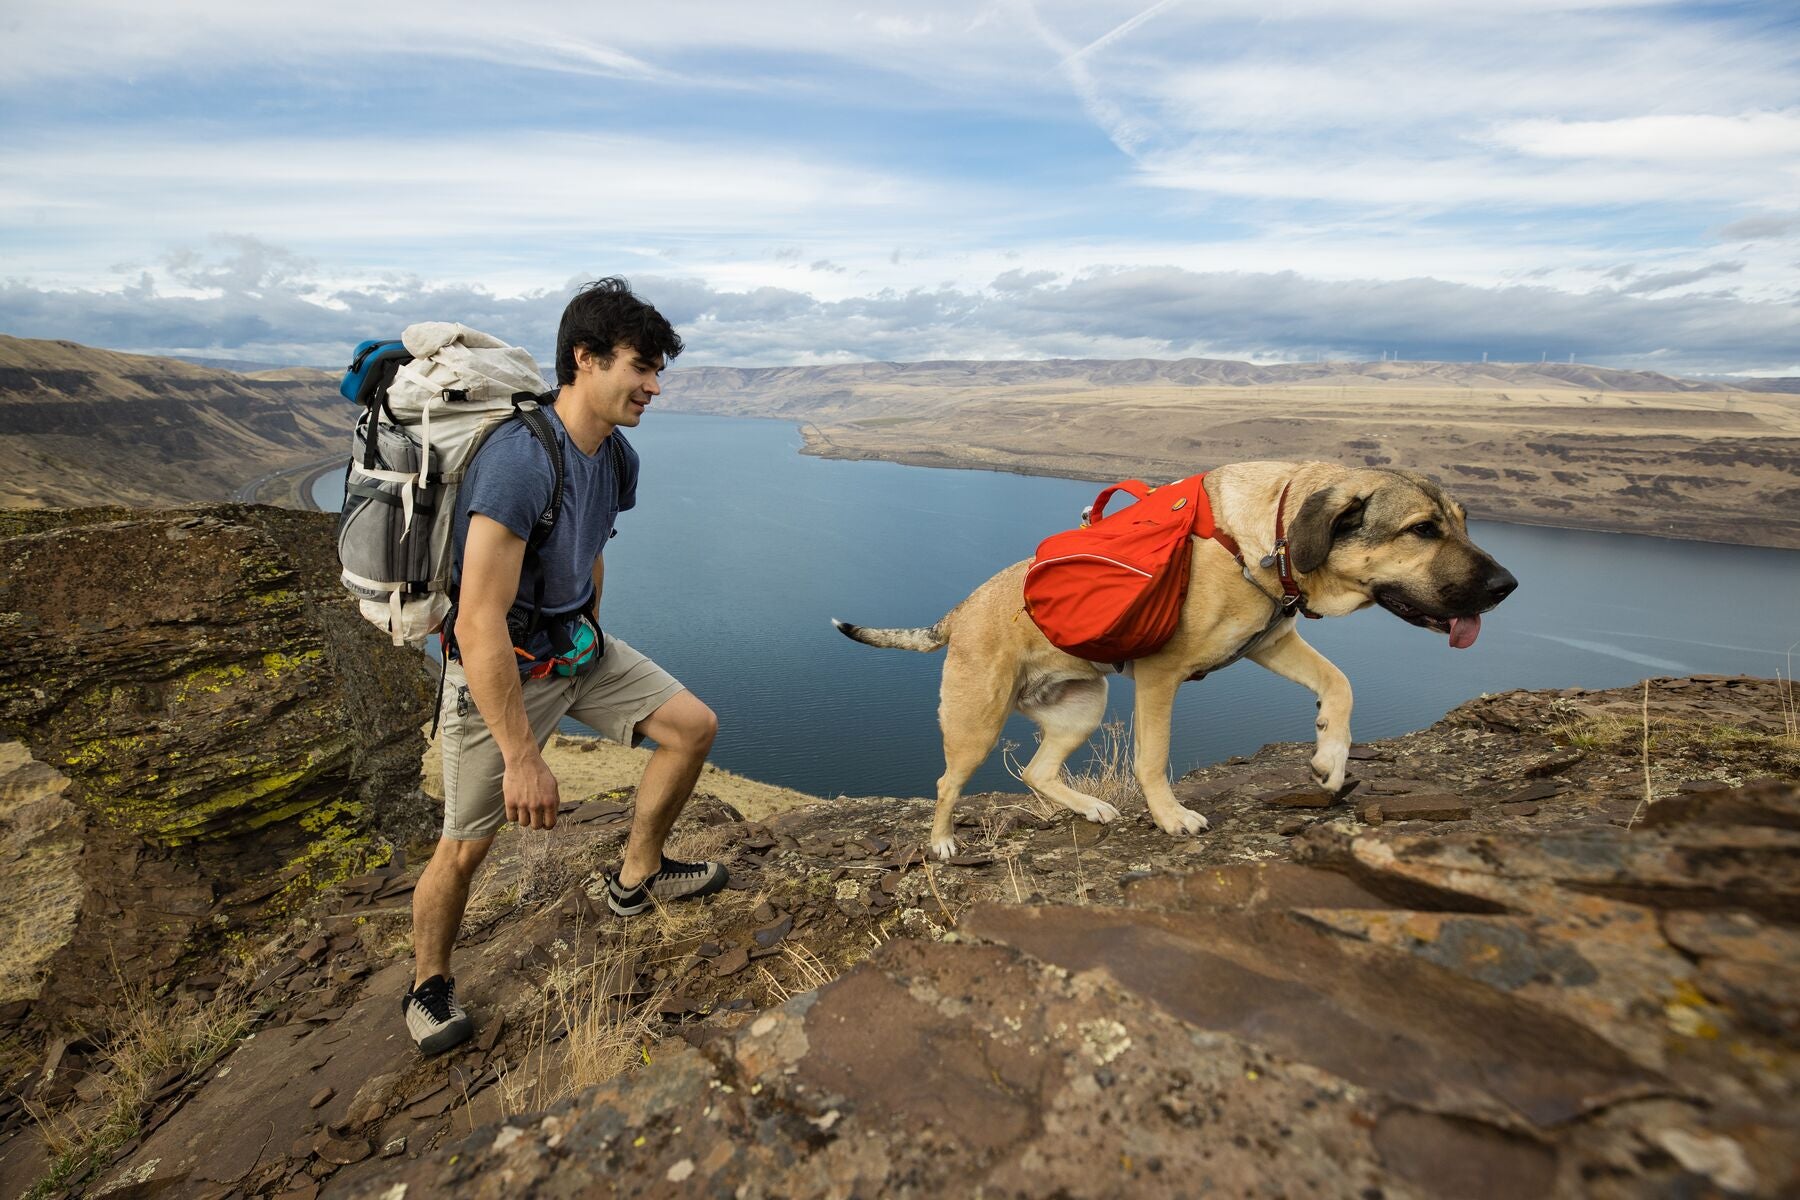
1327 515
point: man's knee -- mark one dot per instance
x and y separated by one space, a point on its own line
461 858
699 726
685 724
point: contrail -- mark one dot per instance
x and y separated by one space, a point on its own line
1118 31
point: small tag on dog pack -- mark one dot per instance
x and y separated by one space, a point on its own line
1178 505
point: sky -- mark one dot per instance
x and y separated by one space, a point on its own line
807 183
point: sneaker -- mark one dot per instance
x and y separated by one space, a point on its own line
675 881
434 1018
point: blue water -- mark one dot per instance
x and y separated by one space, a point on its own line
741 550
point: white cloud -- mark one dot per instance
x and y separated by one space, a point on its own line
271 313
1678 140
419 199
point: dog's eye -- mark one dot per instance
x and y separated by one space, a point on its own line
1424 529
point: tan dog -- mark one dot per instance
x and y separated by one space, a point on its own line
1355 537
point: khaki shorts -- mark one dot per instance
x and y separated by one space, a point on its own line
621 690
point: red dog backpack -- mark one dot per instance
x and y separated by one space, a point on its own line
1112 590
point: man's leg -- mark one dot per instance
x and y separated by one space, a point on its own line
438 903
683 729
474 809
629 698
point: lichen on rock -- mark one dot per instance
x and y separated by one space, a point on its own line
218 706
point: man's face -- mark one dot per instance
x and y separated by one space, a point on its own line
622 388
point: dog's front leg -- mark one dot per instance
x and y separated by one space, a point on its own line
1291 658
1155 710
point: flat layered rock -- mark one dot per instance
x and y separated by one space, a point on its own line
937 1070
1415 808
1469 1015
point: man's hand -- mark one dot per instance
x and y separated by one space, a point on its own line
532 797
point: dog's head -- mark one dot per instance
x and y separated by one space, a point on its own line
1396 539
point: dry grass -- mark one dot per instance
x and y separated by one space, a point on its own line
705 843
490 899
1108 774
593 1020
1701 741
590 1026
931 882
145 1039
1672 749
1644 753
1790 712
1594 731
544 874
811 970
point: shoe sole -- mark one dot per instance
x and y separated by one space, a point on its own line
448 1038
633 911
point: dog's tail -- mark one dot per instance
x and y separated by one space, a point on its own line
923 640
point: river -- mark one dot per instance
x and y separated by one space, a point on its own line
741 550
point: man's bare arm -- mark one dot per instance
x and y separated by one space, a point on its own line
599 580
493 557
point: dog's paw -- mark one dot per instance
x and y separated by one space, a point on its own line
1101 813
1328 767
944 848
1182 822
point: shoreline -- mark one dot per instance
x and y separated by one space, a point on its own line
816 443
298 482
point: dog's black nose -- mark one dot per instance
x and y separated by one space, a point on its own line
1500 584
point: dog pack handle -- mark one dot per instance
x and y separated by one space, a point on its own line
1135 488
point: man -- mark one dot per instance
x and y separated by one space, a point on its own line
525 648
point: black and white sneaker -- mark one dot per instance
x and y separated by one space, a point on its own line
434 1018
675 881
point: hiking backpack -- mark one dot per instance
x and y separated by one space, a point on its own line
1112 589
429 400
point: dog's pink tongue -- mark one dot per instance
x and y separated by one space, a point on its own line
1464 631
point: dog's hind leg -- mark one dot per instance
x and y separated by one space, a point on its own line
1155 710
1066 713
1291 658
972 707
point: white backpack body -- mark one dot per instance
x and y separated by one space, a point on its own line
444 389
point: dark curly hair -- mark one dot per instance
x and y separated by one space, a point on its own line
602 316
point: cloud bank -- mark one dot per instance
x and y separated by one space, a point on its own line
258 303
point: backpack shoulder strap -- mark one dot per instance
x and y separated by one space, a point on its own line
525 407
616 440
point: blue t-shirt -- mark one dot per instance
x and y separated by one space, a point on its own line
510 480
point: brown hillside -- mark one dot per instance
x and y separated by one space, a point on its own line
1533 444
85 426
